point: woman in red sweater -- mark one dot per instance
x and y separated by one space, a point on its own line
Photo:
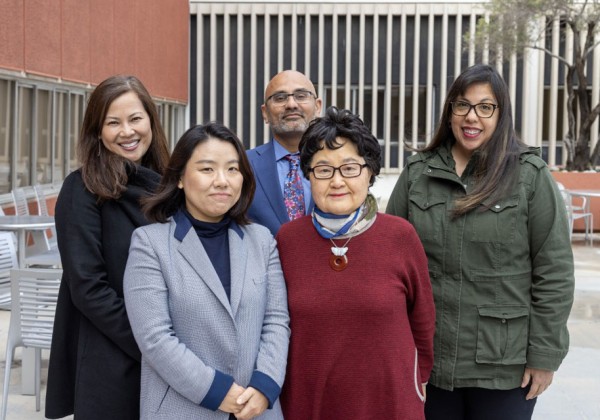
360 301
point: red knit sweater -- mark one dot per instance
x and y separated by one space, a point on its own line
356 333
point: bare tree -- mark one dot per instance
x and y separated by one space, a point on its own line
515 25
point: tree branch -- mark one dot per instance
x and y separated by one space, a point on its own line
592 48
591 117
550 54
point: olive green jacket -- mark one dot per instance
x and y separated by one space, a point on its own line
502 276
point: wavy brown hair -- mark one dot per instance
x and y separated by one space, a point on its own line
104 172
169 197
496 162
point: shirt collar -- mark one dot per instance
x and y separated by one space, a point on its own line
445 153
280 151
183 225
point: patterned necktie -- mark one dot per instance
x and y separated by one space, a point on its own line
293 192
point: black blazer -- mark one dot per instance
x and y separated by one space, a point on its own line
94 369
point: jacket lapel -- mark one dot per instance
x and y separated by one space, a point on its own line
193 252
266 175
238 253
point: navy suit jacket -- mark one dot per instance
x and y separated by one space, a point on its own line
267 207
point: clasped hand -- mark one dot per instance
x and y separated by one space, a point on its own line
244 403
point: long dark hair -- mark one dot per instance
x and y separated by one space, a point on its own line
169 198
497 160
323 131
104 172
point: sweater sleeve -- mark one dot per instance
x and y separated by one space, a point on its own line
552 275
421 308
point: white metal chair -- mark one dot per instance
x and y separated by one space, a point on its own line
34 296
40 243
578 210
48 255
20 200
8 261
44 251
42 206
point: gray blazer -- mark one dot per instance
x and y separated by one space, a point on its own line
187 329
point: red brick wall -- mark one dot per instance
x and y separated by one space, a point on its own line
89 40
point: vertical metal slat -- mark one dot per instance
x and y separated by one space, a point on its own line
387 118
375 70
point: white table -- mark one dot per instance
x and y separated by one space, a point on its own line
21 225
585 193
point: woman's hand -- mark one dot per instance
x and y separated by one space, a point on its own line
230 402
540 381
254 403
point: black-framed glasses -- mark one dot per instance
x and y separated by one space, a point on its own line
482 110
300 96
347 170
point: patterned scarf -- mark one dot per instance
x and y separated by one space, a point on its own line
346 226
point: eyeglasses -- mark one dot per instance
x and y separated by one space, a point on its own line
348 170
482 110
300 96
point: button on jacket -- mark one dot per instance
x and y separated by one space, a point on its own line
502 275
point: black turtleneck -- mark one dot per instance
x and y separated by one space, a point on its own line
215 241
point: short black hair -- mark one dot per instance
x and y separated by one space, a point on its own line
323 132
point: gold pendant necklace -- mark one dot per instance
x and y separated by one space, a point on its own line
338 261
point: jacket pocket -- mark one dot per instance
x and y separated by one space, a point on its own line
259 279
426 214
497 223
502 334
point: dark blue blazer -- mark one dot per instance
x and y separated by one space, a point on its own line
267 208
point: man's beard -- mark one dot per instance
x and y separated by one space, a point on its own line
295 127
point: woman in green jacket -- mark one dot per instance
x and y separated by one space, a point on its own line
494 227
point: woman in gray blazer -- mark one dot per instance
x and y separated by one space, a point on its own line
204 290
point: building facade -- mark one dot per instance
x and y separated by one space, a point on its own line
53 54
391 62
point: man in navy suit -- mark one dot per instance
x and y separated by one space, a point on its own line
291 103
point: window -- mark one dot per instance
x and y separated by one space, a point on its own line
6 94
37 121
75 111
24 134
39 129
43 138
172 120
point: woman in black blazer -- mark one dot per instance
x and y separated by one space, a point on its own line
94 369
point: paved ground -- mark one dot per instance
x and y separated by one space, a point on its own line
575 393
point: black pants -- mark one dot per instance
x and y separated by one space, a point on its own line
478 404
